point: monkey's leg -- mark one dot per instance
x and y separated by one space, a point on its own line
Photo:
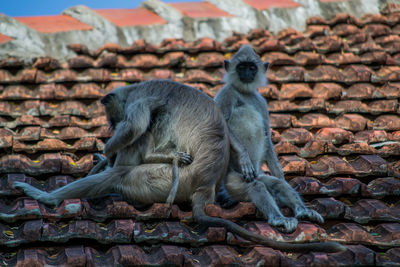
285 195
271 158
257 193
95 185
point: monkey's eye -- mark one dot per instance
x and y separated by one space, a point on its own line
252 67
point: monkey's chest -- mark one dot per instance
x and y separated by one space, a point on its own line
248 126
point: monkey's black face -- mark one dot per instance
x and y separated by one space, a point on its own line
247 71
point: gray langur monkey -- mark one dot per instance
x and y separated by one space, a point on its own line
178 117
141 151
246 113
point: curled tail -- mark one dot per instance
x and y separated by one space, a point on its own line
90 186
259 239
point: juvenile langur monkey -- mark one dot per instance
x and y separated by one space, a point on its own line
141 151
178 117
246 113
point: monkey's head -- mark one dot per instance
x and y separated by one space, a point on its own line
246 71
114 109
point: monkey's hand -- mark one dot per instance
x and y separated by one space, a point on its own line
183 157
246 166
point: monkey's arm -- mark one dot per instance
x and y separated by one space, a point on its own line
226 101
164 157
245 163
269 154
135 123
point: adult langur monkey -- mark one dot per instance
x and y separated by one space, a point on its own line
140 152
246 113
182 117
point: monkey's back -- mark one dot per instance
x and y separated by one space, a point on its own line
193 122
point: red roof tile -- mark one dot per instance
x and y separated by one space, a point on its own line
54 24
200 10
4 38
131 17
262 5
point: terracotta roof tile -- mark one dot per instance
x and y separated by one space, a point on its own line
328 166
281 120
366 210
80 62
335 135
348 106
317 147
357 148
47 64
130 17
287 74
386 122
54 24
313 121
341 186
262 5
351 122
371 136
382 187
5 38
329 207
293 165
327 90
359 91
345 58
370 165
199 10
297 135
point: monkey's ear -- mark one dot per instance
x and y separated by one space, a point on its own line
106 99
226 64
266 65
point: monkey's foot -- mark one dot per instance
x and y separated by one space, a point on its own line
183 157
289 224
310 214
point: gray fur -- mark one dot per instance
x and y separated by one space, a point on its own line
246 112
183 119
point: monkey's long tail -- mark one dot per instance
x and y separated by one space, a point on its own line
259 239
90 186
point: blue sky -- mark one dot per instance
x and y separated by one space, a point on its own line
16 8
